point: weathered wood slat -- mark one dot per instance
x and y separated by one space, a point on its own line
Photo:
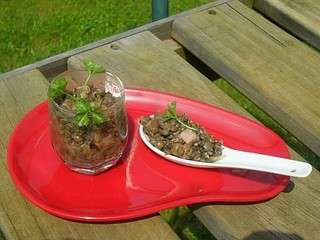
292 215
249 3
278 72
302 18
144 61
174 46
56 64
21 220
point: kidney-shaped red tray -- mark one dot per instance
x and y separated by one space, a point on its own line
142 183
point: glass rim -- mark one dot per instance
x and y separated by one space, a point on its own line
72 113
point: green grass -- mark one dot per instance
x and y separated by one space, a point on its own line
185 224
1 235
31 30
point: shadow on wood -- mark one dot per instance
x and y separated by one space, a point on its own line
272 235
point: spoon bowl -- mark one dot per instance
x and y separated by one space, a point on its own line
239 159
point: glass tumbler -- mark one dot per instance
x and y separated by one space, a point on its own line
96 147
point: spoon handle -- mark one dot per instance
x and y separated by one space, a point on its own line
260 162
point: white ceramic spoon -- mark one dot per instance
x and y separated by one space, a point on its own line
244 160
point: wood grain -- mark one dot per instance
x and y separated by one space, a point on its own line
275 70
292 215
249 3
176 47
301 18
144 61
21 220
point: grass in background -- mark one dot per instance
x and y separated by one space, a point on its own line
1 236
31 30
185 224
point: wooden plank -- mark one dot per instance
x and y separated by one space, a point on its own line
21 220
144 61
249 3
264 62
176 47
301 18
293 215
56 64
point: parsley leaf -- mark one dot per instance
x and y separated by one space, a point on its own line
93 67
82 106
171 112
86 114
57 88
97 117
82 120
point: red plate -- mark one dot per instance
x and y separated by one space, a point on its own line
142 183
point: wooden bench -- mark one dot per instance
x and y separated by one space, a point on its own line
21 220
142 59
301 18
267 64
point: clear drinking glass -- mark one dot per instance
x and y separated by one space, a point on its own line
95 148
